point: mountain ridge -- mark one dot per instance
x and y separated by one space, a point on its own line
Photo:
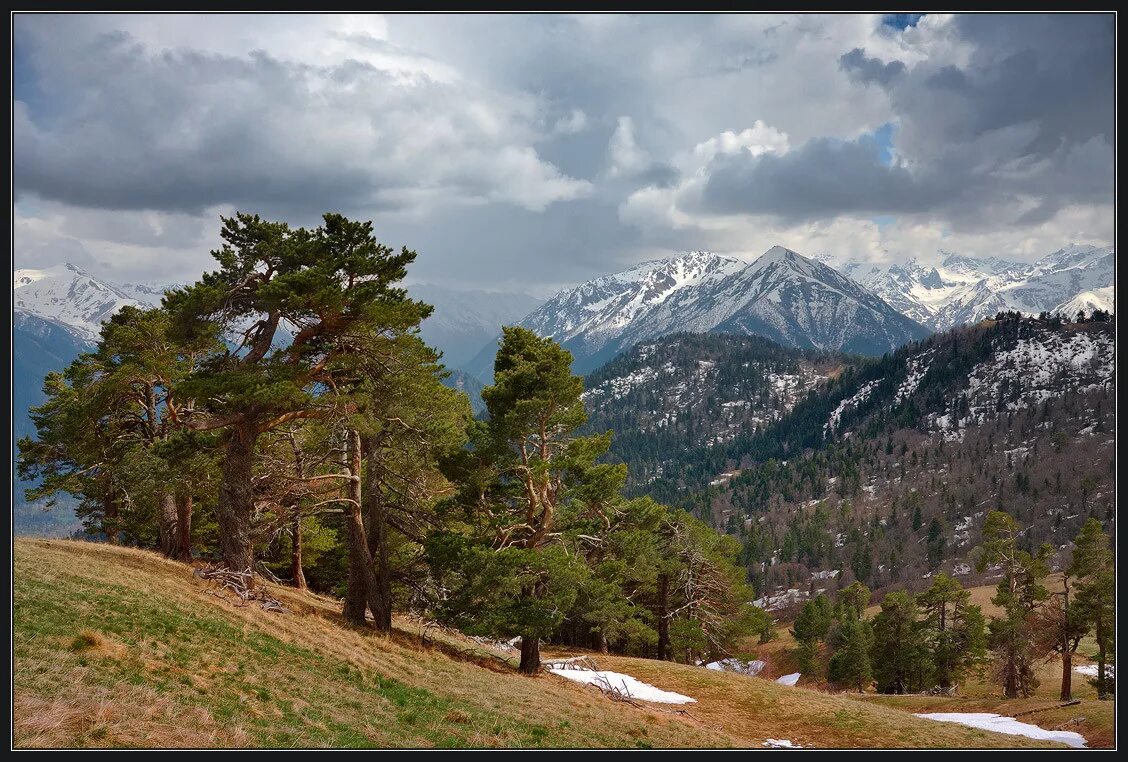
781 295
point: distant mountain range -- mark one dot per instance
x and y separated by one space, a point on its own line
961 290
783 296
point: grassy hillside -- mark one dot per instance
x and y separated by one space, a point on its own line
1091 718
118 647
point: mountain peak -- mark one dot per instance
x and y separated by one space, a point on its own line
777 253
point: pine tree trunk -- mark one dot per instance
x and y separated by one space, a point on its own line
376 527
296 573
1102 692
530 656
184 527
1066 672
236 507
362 584
1010 686
663 618
168 533
110 519
601 642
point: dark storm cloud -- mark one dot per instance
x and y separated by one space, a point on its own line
1021 131
823 177
866 70
485 141
185 130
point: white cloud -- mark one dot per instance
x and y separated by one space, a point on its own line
625 156
756 140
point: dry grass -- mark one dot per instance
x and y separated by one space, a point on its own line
119 647
756 709
1091 718
128 716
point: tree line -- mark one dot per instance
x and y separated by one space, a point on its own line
282 416
934 640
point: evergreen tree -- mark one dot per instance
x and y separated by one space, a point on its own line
524 465
1093 566
408 421
899 654
811 626
1012 634
936 543
850 666
954 630
334 285
112 433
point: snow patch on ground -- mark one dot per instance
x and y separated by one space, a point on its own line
1090 670
736 665
781 743
791 679
1008 725
625 683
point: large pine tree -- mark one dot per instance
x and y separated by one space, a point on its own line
293 304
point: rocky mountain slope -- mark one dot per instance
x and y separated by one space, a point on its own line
68 297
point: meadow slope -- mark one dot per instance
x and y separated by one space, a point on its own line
119 647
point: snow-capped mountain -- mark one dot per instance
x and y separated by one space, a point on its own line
783 296
67 296
960 290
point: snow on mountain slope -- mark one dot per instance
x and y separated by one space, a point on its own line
802 303
69 297
708 387
601 312
1043 364
783 296
1096 299
961 290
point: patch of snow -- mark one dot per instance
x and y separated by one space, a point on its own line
781 743
1091 670
791 679
736 665
625 683
1008 725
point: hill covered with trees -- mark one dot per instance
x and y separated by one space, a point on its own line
885 472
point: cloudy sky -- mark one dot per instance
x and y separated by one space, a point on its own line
531 152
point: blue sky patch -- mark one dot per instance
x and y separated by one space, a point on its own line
901 20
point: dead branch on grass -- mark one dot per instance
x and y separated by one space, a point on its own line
240 585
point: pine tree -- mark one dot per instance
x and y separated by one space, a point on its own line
850 666
1011 635
407 421
112 432
936 543
524 464
954 631
899 654
333 284
1093 566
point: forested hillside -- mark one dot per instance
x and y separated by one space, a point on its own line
885 473
668 398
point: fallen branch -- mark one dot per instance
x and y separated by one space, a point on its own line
239 583
1075 702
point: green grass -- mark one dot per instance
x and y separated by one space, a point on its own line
121 648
